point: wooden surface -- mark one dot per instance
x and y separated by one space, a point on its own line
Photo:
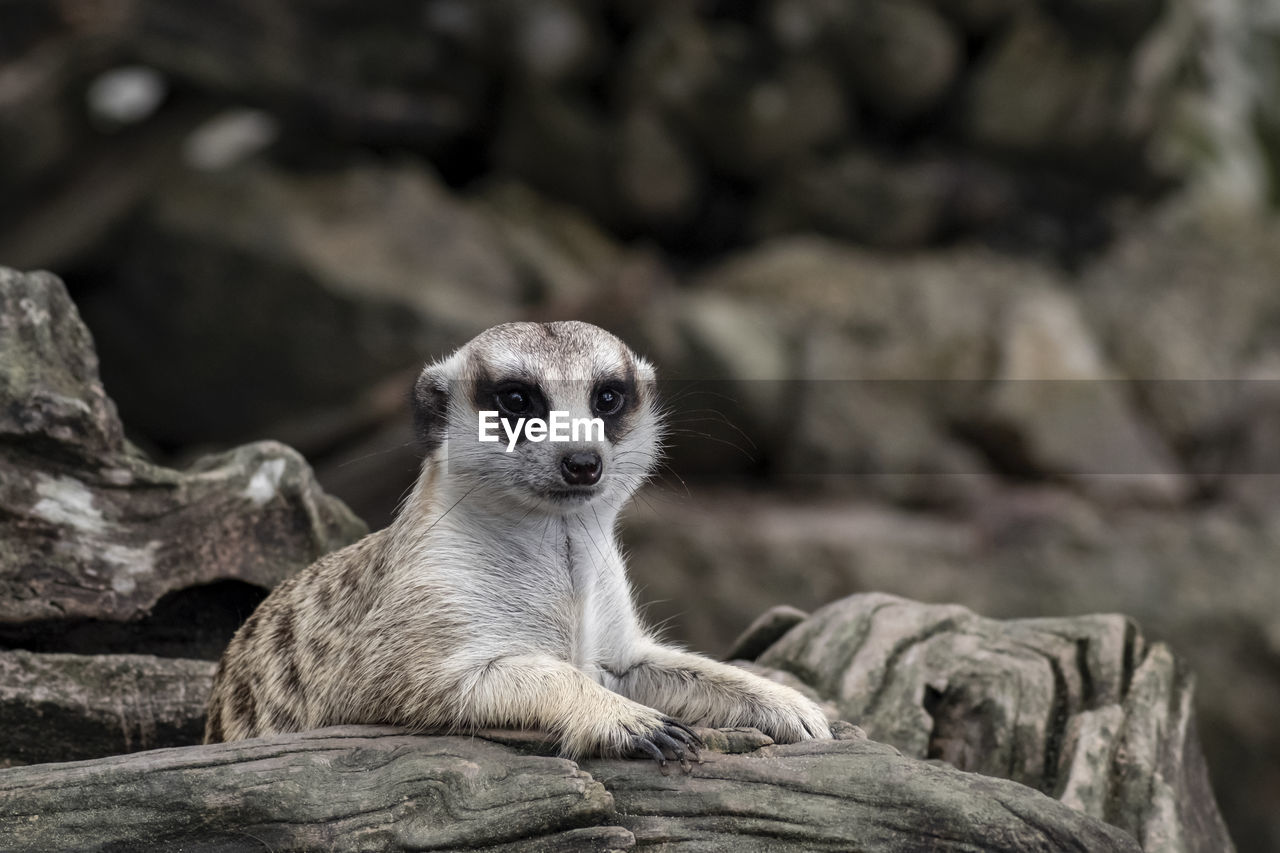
361 788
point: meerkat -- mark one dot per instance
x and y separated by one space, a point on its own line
498 596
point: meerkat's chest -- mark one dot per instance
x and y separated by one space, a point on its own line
550 591
587 566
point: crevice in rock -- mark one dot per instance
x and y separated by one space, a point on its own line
196 622
1055 729
1132 658
1088 690
900 649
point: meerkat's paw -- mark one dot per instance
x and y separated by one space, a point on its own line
637 731
788 716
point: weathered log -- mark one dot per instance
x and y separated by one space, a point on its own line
841 795
334 789
92 529
66 707
1082 708
362 788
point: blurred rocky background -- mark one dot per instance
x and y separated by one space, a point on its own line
970 301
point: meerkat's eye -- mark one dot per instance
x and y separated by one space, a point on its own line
515 400
608 401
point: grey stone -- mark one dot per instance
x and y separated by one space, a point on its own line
979 16
58 707
1068 409
552 41
753 127
859 196
93 531
38 121
1188 310
558 143
765 631
901 56
658 181
1123 22
373 269
1002 698
394 72
1040 93
915 377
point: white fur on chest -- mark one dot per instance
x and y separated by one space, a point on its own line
555 586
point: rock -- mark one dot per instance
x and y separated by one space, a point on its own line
563 258
723 369
49 56
1188 310
552 41
39 124
585 103
402 74
56 707
863 331
1041 94
375 267
70 219
978 17
95 533
765 631
1067 413
753 127
899 58
919 393
860 196
657 180
559 144
417 792
901 55
50 383
1202 578
670 63
1078 708
1122 22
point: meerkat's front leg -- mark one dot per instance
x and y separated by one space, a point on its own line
706 692
536 691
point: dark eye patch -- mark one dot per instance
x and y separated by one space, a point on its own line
515 399
608 401
623 398
512 398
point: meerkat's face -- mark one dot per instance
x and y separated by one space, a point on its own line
555 416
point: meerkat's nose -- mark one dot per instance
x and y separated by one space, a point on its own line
581 469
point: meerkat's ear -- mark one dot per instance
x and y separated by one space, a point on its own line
430 402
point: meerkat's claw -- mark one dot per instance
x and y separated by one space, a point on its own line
643 744
667 742
691 738
670 737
